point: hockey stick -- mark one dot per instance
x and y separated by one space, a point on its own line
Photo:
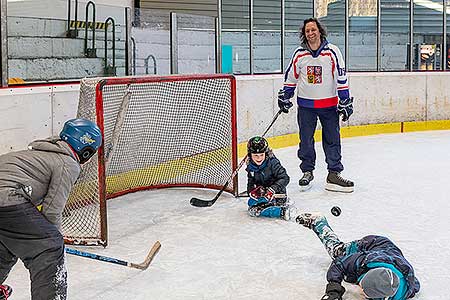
120 119
245 194
205 203
142 266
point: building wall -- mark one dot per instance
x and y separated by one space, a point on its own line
30 113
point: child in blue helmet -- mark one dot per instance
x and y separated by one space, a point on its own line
34 187
373 262
266 181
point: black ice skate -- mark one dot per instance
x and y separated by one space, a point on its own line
305 181
307 219
336 183
5 291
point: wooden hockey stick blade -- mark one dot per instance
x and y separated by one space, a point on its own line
151 254
142 266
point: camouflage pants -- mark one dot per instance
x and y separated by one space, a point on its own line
334 246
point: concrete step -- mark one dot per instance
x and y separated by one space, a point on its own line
38 69
33 47
100 33
36 27
43 27
43 47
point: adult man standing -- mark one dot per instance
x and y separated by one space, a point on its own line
317 71
34 187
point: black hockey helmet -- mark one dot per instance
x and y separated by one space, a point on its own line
257 144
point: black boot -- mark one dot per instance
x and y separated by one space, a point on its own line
305 181
5 291
336 183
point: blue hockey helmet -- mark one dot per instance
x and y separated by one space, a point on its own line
83 136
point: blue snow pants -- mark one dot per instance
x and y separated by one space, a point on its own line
27 235
263 208
331 138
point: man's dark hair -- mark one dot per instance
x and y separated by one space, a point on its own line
322 30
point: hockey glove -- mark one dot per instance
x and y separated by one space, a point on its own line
257 192
283 103
345 108
269 194
334 291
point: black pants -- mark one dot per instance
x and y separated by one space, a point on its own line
27 235
331 138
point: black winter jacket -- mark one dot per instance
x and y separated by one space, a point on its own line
269 174
373 249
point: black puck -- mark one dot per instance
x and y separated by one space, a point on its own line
336 211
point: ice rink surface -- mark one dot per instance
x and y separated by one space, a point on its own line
402 191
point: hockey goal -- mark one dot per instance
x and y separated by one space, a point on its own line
172 131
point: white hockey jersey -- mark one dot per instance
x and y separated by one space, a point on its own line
318 76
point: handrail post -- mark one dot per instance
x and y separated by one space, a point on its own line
110 70
173 43
128 70
133 43
3 44
72 33
154 64
90 52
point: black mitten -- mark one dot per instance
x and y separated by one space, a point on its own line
334 291
345 108
283 101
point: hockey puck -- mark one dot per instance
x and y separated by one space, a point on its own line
336 211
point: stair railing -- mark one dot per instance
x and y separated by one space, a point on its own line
90 52
110 70
133 44
146 63
72 33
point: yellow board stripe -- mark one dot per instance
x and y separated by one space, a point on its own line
158 174
352 131
164 172
82 24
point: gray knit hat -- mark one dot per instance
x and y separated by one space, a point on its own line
379 283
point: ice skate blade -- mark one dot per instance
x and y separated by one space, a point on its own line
337 188
304 188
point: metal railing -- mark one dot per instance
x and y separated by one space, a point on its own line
110 70
90 52
146 64
72 33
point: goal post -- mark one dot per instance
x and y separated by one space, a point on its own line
158 132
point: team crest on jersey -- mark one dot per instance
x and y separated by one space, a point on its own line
314 74
87 139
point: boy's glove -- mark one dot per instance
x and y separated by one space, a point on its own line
334 291
283 103
257 192
269 194
345 108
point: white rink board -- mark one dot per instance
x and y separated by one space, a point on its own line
30 113
37 112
